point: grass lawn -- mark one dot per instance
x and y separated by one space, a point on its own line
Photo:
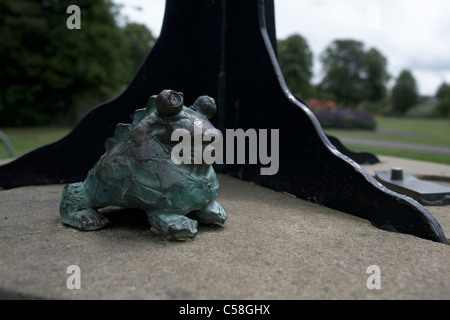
413 131
438 158
406 130
24 140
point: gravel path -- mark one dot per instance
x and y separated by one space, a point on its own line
397 145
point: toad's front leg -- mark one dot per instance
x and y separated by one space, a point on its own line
74 210
213 213
174 225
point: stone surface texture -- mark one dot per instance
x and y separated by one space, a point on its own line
273 246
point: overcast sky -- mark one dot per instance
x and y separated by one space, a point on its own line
412 34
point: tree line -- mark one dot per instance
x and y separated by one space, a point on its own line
352 75
52 74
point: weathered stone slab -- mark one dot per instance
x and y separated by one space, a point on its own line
273 246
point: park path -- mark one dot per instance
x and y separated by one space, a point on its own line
397 145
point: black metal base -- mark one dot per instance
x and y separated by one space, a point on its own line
359 157
227 49
425 192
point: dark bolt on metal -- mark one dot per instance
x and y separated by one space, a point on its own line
397 174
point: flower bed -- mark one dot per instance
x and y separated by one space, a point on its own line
331 117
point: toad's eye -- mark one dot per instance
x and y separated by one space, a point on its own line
206 106
169 103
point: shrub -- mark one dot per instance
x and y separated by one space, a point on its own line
344 119
331 117
444 106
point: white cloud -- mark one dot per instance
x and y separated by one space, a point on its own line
148 12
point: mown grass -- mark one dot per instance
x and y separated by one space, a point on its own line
406 130
429 157
26 139
412 131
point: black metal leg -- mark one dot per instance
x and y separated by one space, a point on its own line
225 49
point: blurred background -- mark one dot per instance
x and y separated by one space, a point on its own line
375 73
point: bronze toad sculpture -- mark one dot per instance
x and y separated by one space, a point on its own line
137 172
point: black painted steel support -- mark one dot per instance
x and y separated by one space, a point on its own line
227 49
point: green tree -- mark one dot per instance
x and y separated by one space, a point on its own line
443 90
404 93
376 75
296 61
352 74
49 70
139 41
443 94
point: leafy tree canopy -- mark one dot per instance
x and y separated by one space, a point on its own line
404 93
443 90
352 74
443 94
296 61
139 40
49 70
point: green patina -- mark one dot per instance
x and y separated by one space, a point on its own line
137 172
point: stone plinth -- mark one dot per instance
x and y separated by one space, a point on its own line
273 246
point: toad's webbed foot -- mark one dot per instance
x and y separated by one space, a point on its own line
86 220
214 213
176 226
74 211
